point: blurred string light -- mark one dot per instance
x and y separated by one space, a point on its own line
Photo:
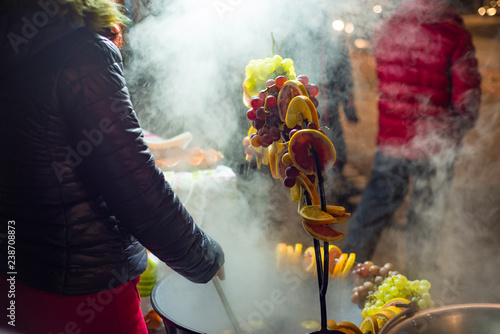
377 9
491 11
349 27
361 43
338 25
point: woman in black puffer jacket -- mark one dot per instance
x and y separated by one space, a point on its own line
79 190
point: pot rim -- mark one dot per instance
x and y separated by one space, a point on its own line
442 310
165 317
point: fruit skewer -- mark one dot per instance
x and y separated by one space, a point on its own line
286 135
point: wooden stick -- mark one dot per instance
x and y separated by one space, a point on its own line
227 307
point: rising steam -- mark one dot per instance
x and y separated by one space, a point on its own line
185 65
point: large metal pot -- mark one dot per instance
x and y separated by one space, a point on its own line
284 305
456 319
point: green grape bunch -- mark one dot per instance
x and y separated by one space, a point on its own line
257 72
398 286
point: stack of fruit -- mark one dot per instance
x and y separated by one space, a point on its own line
285 134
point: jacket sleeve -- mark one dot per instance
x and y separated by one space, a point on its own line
118 163
465 82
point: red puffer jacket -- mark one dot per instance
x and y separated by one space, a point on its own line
79 187
429 83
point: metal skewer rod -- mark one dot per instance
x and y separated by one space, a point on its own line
322 269
227 307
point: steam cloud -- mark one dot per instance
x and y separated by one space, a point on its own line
185 66
187 61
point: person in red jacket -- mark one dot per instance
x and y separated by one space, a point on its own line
81 198
429 96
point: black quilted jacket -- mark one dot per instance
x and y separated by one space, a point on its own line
77 180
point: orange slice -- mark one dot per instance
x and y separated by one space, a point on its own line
313 214
394 301
334 253
309 261
393 309
331 324
340 264
335 210
290 89
383 316
301 108
323 232
342 219
301 147
369 325
348 327
308 186
348 265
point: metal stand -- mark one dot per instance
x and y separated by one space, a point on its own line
322 270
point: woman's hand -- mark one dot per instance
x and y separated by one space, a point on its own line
221 274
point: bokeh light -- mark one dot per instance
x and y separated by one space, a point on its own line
377 9
361 43
349 28
338 25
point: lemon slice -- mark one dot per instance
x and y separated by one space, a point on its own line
301 108
348 265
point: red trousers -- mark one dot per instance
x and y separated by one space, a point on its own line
33 311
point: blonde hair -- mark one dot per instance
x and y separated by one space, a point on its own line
99 16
